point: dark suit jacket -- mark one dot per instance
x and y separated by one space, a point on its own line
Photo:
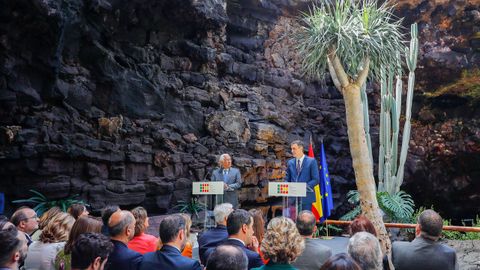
234 181
254 259
123 258
313 256
168 258
308 174
211 239
423 254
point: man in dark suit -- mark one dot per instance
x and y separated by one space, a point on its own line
121 227
13 248
315 253
424 252
173 236
215 236
303 169
90 251
240 234
231 178
26 221
227 257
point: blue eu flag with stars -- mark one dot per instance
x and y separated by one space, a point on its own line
325 187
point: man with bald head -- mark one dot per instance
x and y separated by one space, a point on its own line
121 227
26 221
424 252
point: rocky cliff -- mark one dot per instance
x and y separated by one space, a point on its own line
128 102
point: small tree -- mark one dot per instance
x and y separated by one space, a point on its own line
353 39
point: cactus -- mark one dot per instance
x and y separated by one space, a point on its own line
390 168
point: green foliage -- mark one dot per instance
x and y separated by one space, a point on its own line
355 30
192 207
454 235
322 230
42 203
398 207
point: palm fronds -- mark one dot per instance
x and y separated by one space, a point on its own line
42 203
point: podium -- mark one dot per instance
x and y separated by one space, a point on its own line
292 193
212 192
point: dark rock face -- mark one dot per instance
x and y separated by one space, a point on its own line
128 102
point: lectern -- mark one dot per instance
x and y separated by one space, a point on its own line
209 190
292 194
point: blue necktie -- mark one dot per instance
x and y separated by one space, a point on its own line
298 165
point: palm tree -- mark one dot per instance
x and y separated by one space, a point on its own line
353 39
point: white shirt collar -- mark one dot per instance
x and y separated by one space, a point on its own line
301 160
243 243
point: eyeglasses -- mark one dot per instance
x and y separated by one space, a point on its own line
32 217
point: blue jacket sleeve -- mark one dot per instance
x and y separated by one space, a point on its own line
238 181
314 175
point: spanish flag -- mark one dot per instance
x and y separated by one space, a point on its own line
317 208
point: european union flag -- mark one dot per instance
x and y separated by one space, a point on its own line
325 187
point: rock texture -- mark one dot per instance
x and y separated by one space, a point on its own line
128 102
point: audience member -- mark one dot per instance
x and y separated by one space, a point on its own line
258 228
424 252
315 253
173 237
83 224
42 253
13 248
340 261
188 250
214 236
365 249
106 214
4 223
227 257
78 210
362 224
90 251
121 227
26 221
281 245
44 220
142 242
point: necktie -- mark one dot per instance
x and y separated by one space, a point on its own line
298 165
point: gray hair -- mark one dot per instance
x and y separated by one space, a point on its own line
365 249
222 211
221 158
117 229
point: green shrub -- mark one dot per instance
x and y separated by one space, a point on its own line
41 203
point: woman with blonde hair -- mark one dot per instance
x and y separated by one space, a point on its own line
81 226
44 220
142 242
41 254
281 245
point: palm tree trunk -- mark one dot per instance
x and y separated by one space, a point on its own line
362 164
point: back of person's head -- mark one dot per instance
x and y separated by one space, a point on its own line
90 248
48 216
4 223
431 224
140 215
282 243
362 224
237 219
365 249
221 212
58 229
170 228
340 262
77 210
306 223
119 222
10 245
107 213
226 257
258 223
82 225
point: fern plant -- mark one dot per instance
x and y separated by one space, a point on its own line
42 203
398 207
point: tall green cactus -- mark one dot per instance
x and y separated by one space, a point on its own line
390 169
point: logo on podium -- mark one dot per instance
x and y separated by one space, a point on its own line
207 188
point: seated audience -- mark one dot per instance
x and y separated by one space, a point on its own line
83 224
106 214
188 250
78 210
362 224
226 257
142 242
121 227
315 253
258 229
281 244
41 254
26 221
425 252
214 236
5 224
365 249
90 251
340 261
173 237
44 220
13 248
